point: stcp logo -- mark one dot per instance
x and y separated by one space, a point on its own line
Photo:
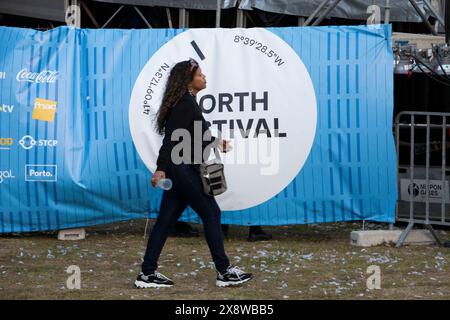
28 142
259 95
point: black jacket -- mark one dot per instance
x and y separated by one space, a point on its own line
183 115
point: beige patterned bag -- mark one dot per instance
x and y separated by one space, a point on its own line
213 176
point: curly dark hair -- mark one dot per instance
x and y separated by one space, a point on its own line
176 86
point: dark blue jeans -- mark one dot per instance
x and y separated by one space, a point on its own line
187 190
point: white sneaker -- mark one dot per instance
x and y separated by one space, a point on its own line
232 277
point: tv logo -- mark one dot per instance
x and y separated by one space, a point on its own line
44 110
41 172
7 174
28 142
6 108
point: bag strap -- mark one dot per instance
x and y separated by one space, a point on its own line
216 152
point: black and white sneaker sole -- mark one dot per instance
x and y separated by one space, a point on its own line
220 283
143 285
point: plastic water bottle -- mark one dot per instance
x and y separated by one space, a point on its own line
165 184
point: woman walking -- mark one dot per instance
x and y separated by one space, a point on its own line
179 110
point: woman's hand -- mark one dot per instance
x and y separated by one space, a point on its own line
224 145
156 176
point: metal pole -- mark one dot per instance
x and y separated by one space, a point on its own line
90 15
434 234
219 5
315 12
422 15
427 172
301 21
447 21
239 18
387 12
244 19
443 168
169 18
436 26
326 12
397 151
433 11
142 16
411 169
182 19
187 18
112 17
404 234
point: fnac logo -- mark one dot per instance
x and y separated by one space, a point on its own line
44 110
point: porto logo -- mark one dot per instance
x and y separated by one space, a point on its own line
259 96
41 172
46 76
28 142
44 110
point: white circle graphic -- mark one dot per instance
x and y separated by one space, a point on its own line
256 85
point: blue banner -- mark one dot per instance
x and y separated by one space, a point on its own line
77 145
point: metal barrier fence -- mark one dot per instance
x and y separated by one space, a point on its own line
423 184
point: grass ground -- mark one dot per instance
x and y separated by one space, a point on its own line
301 262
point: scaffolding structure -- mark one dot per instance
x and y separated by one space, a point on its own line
307 13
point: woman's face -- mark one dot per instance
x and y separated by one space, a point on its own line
199 81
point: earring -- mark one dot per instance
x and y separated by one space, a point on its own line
190 91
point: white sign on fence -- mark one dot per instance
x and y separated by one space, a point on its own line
419 188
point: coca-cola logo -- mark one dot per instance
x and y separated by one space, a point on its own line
46 76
